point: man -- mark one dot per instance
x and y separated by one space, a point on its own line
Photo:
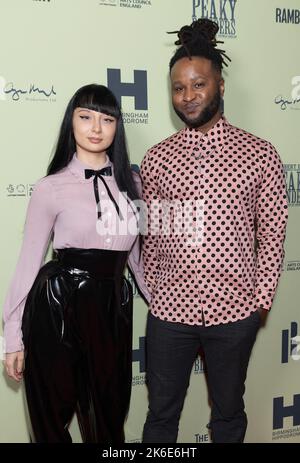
213 276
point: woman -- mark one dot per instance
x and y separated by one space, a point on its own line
76 326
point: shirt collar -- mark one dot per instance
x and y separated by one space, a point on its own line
78 167
208 142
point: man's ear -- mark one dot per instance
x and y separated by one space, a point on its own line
222 87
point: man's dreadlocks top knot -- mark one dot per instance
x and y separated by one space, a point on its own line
199 39
203 29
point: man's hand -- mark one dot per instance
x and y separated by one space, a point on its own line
263 315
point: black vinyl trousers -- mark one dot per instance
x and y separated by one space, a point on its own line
77 331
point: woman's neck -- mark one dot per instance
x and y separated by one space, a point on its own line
94 160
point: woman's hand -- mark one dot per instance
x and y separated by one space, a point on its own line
14 365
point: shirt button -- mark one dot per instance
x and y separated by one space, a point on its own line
109 214
103 193
108 240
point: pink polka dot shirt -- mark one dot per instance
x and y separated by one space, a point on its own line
228 186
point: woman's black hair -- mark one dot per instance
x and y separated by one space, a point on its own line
97 98
199 39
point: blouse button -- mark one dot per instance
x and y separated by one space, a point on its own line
103 192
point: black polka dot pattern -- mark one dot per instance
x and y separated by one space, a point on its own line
230 262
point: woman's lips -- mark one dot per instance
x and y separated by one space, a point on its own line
95 140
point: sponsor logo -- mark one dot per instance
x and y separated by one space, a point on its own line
134 4
220 11
9 91
293 101
19 189
287 15
108 2
290 344
293 265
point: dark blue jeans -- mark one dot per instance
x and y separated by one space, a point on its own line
171 351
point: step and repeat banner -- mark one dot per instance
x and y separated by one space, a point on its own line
49 48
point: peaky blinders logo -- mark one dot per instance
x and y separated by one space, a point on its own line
220 11
292 180
198 366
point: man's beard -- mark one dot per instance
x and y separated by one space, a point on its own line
206 114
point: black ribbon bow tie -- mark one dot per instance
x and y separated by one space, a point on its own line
106 171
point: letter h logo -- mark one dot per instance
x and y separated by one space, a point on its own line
138 355
137 89
280 411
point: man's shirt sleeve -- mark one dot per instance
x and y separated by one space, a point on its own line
271 221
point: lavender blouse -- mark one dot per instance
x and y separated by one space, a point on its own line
63 208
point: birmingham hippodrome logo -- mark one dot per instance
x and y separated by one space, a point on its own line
136 89
286 408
